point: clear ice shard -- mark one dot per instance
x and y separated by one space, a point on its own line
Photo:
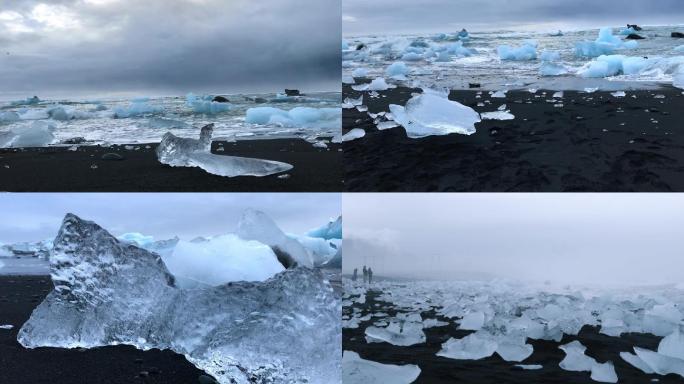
185 152
284 330
401 333
256 225
356 370
433 114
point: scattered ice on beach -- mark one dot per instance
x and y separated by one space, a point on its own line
636 362
356 370
185 152
6 326
433 114
38 134
109 293
378 84
527 51
353 134
619 94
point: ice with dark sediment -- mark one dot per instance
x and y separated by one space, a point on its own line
356 370
107 292
185 152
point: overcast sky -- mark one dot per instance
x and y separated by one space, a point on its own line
397 16
33 217
564 238
168 46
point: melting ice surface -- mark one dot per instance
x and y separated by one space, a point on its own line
185 152
437 61
285 329
505 315
146 120
356 370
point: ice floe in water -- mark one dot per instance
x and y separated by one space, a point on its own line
605 44
107 292
527 51
433 114
205 104
356 370
184 152
38 134
295 117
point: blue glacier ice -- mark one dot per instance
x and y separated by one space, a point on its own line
527 51
605 44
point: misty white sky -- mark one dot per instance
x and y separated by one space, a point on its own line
173 47
563 238
37 216
362 17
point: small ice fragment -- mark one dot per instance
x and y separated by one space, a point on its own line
499 94
6 326
362 108
619 94
386 125
575 359
590 90
558 95
529 366
604 373
353 134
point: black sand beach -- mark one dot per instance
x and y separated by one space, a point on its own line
58 169
581 146
19 295
494 370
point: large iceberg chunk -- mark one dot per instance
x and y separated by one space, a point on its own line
223 259
256 225
527 51
431 114
286 329
356 370
605 44
205 104
184 152
39 134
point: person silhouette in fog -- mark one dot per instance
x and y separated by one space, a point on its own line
355 273
370 275
365 274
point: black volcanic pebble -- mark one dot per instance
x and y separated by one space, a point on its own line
112 156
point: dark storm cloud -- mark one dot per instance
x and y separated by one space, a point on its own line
176 46
33 217
383 16
563 238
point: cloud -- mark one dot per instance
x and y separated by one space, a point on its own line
383 16
170 46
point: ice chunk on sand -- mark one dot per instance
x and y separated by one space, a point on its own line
527 51
635 361
256 225
223 259
672 345
659 363
529 366
205 104
432 114
619 94
353 134
604 373
184 152
38 134
110 293
401 333
350 103
6 326
472 321
575 359
497 115
397 70
356 370
378 84
472 347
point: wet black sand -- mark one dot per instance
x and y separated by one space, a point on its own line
545 149
19 295
57 169
494 370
